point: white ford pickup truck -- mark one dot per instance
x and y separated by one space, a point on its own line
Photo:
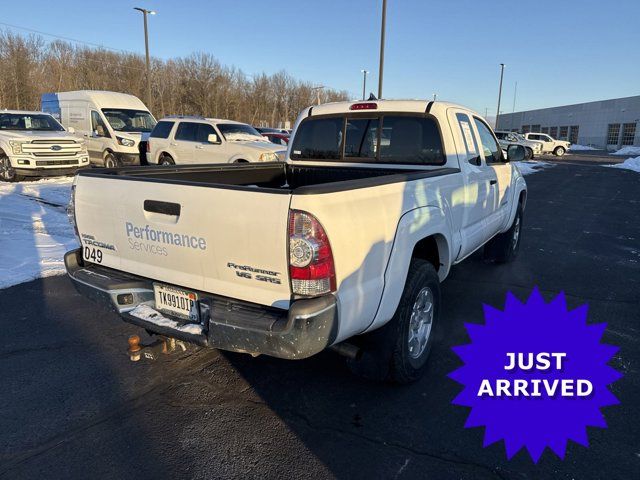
344 245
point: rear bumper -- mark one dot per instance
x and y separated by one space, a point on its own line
308 327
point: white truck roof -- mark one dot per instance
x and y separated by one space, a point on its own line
104 98
387 106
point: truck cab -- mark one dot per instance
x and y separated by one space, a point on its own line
114 125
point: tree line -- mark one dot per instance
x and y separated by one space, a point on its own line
194 85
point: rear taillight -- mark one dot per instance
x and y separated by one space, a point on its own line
311 265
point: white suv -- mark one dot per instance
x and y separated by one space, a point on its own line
549 144
531 148
195 140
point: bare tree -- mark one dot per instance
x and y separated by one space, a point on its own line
196 84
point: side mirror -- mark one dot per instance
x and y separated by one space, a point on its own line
213 138
515 153
71 130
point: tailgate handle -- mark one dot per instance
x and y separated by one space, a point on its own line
164 208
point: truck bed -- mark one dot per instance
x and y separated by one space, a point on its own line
272 177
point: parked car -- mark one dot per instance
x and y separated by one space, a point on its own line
273 130
191 140
507 138
549 144
278 138
34 144
267 130
113 124
344 245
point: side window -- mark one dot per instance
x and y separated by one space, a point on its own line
415 140
204 130
187 131
161 130
98 126
362 137
470 142
490 148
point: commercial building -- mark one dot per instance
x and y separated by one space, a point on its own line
609 124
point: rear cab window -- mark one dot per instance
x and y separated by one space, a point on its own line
390 138
162 129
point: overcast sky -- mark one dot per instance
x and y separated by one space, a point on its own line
559 52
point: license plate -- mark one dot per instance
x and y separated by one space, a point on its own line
176 301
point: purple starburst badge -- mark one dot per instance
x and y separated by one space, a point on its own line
535 375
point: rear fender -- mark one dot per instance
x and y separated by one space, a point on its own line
413 227
520 186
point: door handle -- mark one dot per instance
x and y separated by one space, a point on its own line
163 208
493 182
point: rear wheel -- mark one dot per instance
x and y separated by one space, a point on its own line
110 160
399 350
166 160
559 151
504 247
528 153
7 172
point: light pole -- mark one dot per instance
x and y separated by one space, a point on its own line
499 94
382 32
364 82
317 90
146 12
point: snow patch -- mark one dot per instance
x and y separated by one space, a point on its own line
529 167
627 151
577 148
632 164
34 229
148 314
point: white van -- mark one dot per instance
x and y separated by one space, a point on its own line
113 124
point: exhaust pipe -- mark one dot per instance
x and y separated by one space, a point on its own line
347 350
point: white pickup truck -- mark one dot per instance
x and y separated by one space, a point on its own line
344 245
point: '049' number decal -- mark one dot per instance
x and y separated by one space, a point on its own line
92 254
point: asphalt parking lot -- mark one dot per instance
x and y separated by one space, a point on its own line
74 406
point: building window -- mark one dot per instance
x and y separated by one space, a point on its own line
628 133
573 133
544 130
564 133
526 128
553 131
535 128
613 133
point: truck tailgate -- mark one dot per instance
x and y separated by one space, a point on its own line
218 240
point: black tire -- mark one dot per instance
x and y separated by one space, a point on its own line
559 151
166 160
7 172
528 153
504 247
387 353
110 160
